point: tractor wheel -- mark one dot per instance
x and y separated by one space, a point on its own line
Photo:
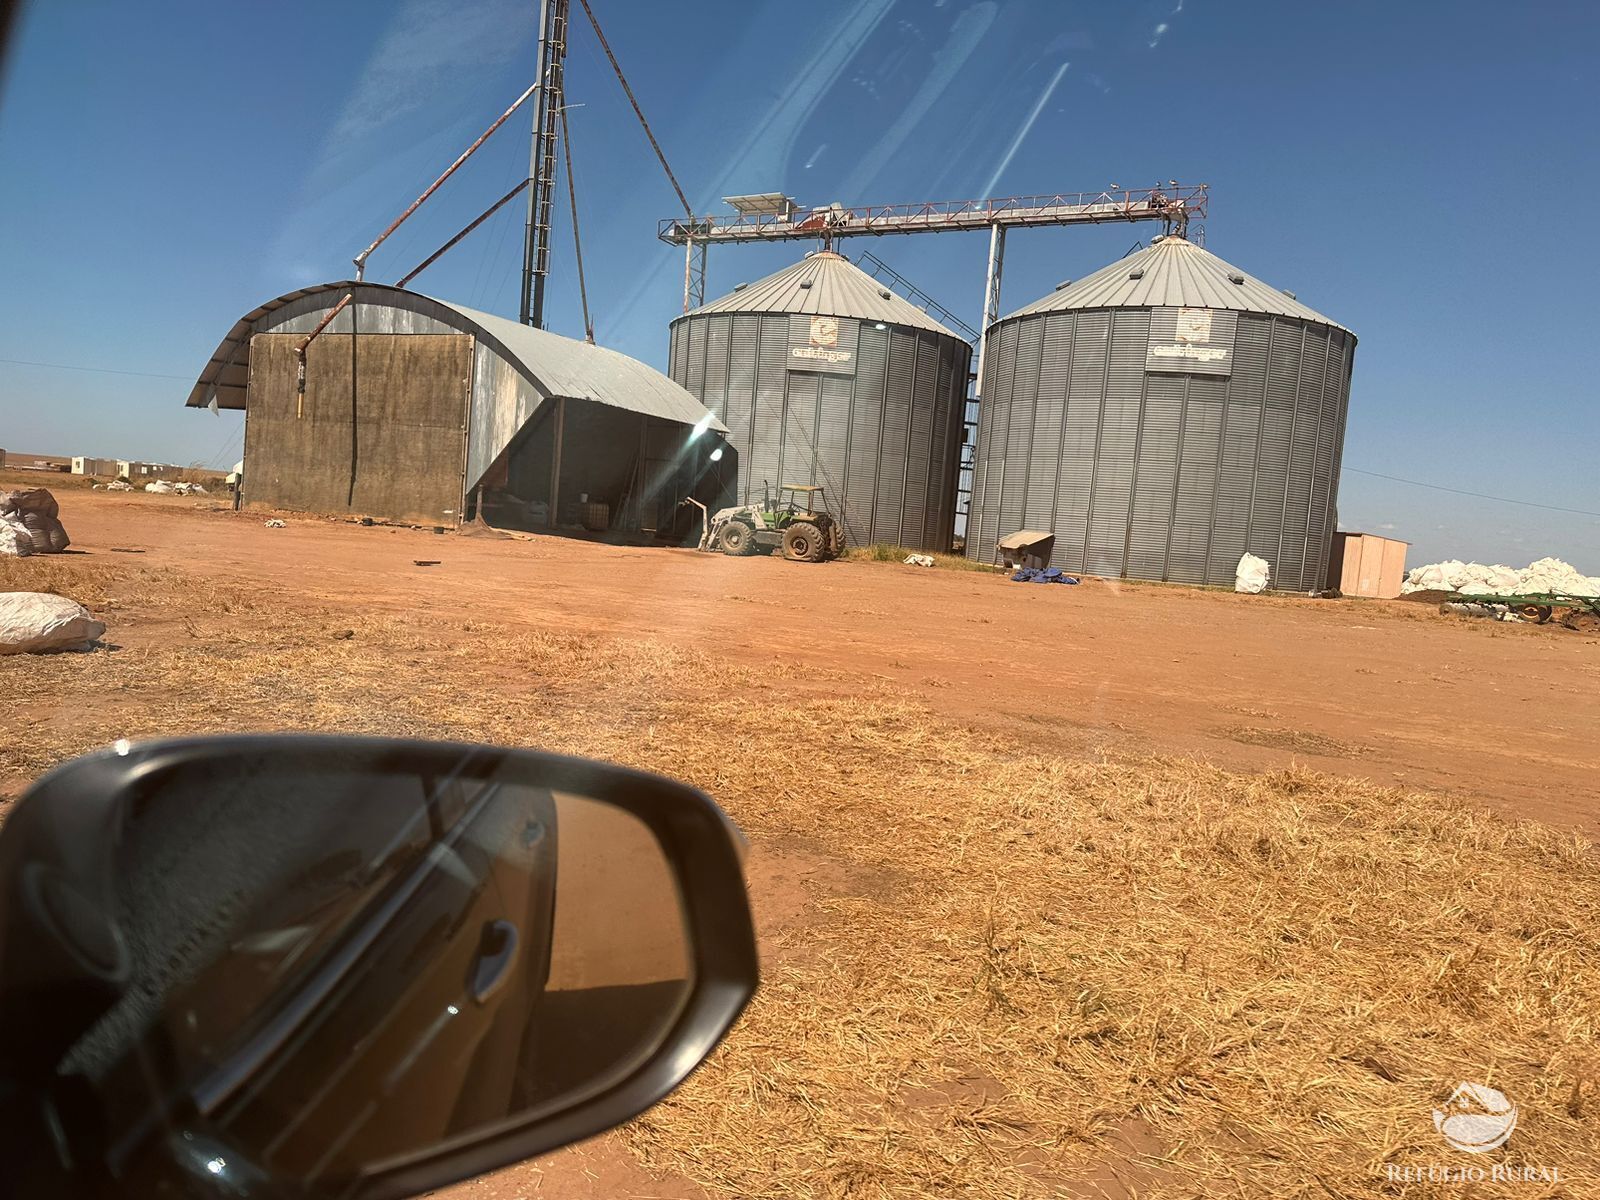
737 539
803 542
835 541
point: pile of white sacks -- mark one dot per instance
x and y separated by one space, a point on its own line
1548 575
30 523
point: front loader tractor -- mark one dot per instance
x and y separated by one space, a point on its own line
795 521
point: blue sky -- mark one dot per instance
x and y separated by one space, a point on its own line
1422 173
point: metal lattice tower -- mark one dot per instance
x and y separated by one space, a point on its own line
542 160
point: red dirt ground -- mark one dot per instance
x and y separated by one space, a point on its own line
1390 691
1387 690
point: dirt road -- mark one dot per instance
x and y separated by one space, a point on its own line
1388 691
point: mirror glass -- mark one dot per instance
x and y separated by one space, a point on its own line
333 970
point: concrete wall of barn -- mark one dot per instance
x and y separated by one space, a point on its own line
379 431
503 399
601 444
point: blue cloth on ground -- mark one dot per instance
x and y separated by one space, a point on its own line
1047 575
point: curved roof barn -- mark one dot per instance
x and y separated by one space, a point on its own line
442 403
556 365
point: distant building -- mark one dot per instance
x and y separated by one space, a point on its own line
141 470
82 465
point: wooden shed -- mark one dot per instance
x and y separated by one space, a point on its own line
1365 564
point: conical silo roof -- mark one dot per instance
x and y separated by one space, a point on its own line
825 284
1174 273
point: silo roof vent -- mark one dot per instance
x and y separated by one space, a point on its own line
739 287
805 285
1235 277
1136 273
1289 294
1063 283
885 293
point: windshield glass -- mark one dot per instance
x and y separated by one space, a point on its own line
1103 495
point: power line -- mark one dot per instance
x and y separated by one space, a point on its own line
222 451
1582 512
24 362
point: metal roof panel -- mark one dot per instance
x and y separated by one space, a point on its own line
830 285
580 371
1174 273
558 366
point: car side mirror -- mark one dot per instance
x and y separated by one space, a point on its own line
353 967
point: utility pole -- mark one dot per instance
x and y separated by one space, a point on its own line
542 159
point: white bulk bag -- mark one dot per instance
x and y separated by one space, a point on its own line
15 538
34 622
1252 576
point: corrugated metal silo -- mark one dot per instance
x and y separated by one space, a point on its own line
1163 416
824 376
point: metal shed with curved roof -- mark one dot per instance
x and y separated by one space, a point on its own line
414 408
1162 417
826 377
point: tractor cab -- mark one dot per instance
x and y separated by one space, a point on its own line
792 502
793 518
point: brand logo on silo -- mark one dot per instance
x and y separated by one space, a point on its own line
1195 353
1194 325
824 337
1191 341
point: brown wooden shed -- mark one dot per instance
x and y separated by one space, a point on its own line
1365 564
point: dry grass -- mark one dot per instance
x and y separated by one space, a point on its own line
888 552
1298 740
55 481
1276 976
1264 982
195 473
114 583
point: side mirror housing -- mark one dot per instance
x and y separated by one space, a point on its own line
321 966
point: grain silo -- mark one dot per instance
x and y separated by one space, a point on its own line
1161 417
823 376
